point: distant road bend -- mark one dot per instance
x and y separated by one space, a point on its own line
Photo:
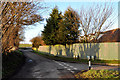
39 67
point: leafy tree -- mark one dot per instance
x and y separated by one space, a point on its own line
51 28
37 41
68 30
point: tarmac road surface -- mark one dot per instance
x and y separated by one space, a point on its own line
39 67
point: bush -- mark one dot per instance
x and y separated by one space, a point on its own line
11 62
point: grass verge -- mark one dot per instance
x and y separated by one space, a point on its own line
25 45
58 58
107 61
98 74
67 59
11 63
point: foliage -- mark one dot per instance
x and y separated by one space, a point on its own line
60 58
98 74
50 30
61 29
11 62
37 41
62 33
68 31
107 61
14 15
65 29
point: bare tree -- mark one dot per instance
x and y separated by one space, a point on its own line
94 20
14 15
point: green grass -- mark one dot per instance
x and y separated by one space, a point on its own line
98 74
107 61
67 59
25 45
62 58
11 62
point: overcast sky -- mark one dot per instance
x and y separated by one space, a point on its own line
33 30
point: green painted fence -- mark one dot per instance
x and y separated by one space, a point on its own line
104 51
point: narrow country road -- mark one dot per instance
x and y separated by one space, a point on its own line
39 67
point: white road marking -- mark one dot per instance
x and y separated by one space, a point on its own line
60 64
55 61
75 68
72 71
71 66
65 67
69 69
63 63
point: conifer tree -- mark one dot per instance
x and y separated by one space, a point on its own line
68 30
51 28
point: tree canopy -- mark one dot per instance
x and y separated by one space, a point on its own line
68 30
50 29
13 16
37 41
61 29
